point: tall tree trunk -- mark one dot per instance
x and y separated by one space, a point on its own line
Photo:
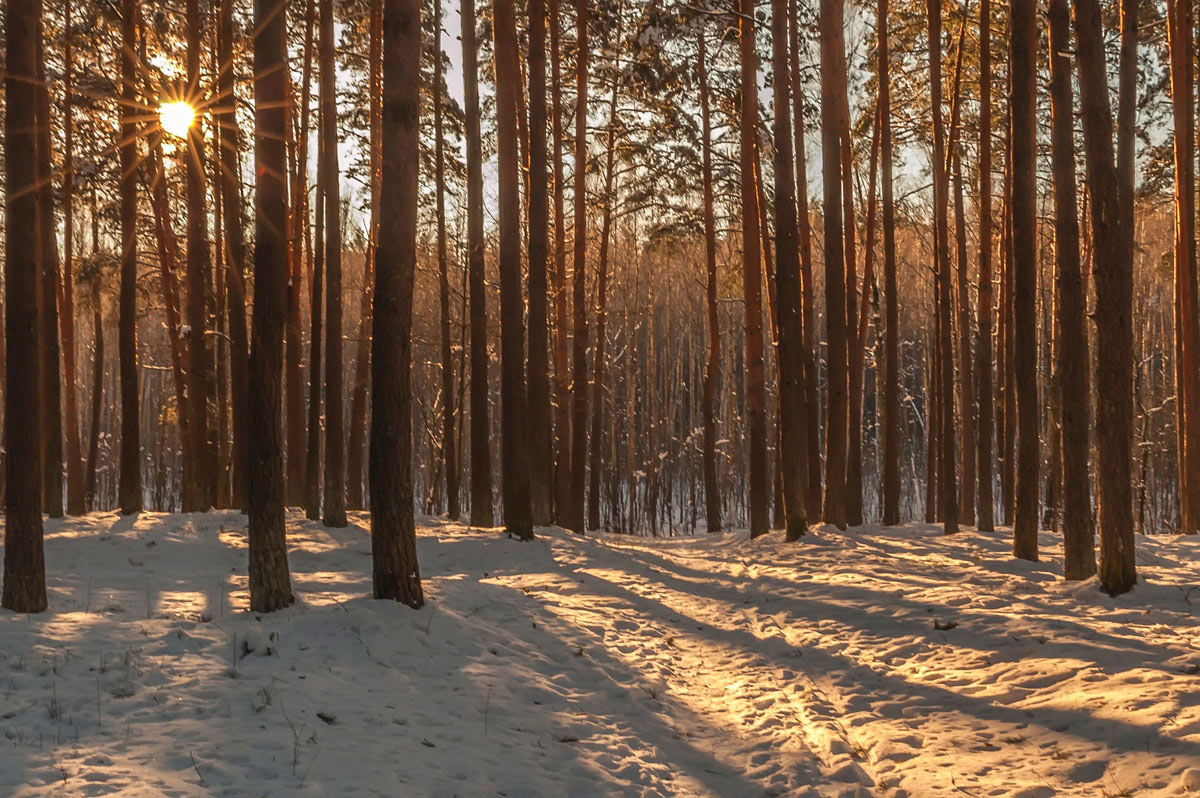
966 392
808 311
335 439
947 454
579 380
983 343
481 450
93 453
76 504
833 79
712 496
270 580
47 248
312 449
197 491
129 487
541 456
756 393
24 587
793 444
1187 324
449 461
1112 255
235 241
393 537
891 375
562 367
1023 68
514 421
593 519
1079 557
362 359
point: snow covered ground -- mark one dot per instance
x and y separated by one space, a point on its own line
872 662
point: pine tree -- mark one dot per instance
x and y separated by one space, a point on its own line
395 574
270 579
24 587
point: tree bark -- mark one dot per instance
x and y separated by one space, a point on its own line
197 491
362 359
793 449
270 580
541 456
335 439
24 587
129 486
947 454
481 456
51 354
514 426
395 574
808 310
562 367
1023 68
891 375
579 379
983 343
235 241
593 519
76 502
712 496
1112 255
756 398
833 78
1079 558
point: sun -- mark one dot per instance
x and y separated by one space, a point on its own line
176 118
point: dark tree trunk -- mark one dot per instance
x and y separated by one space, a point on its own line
47 248
362 359
93 454
235 241
946 453
756 393
24 562
335 439
593 519
1023 69
395 574
712 496
1079 557
541 455
983 343
579 379
129 488
793 444
197 490
312 452
481 448
270 580
449 461
514 421
891 375
562 367
808 311
1112 255
76 503
833 79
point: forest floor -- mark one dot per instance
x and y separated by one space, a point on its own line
872 662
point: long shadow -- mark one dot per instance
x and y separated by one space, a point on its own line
856 599
774 649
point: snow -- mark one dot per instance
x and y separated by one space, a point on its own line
871 662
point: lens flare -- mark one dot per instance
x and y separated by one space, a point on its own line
176 118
